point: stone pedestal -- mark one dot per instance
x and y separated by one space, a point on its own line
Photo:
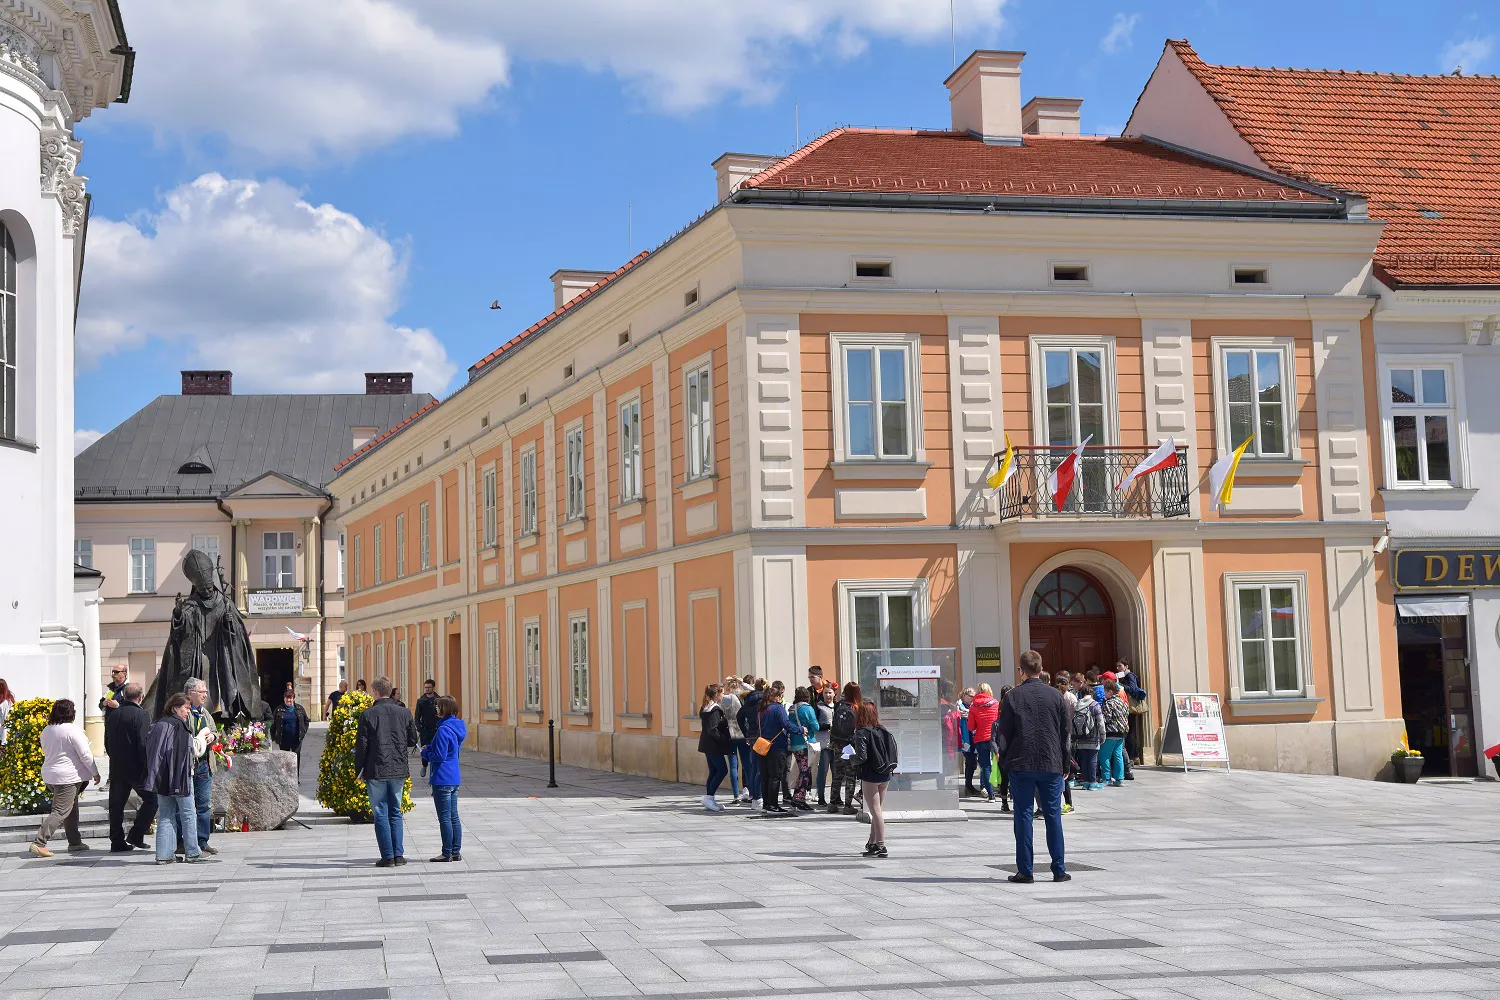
260 787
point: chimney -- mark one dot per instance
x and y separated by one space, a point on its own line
205 383
985 95
1051 116
387 383
567 284
733 169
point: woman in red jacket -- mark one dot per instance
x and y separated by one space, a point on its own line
982 715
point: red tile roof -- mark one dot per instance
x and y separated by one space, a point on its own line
380 439
920 162
1424 150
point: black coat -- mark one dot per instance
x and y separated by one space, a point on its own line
749 719
385 735
714 740
277 724
169 758
1035 725
125 733
427 718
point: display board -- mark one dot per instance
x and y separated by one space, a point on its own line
1195 729
910 708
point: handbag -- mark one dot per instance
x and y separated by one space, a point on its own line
1139 706
761 746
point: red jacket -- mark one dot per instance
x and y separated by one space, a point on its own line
982 715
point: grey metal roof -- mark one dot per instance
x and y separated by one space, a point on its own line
243 437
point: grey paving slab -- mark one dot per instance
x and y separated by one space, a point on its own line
322 946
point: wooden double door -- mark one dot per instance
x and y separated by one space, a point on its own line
1073 623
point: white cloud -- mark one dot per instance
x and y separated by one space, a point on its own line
289 80
82 438
249 276
1121 33
1469 54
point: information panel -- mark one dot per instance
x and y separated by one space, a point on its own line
910 709
1196 730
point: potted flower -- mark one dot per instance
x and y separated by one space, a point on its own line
1408 764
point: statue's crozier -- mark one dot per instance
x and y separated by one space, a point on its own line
208 641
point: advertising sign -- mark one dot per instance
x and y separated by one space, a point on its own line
987 659
1446 569
273 602
1196 730
910 709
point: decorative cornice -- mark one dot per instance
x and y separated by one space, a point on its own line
60 179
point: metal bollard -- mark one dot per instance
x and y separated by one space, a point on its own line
551 753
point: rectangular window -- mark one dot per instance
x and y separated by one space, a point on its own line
143 565
877 402
531 661
1270 638
1257 394
578 662
343 666
573 473
379 658
1075 395
359 661
401 661
424 534
358 565
427 658
492 667
489 507
342 558
208 545
9 323
698 405
279 551
1423 417
528 491
885 620
379 533
400 546
83 552
630 450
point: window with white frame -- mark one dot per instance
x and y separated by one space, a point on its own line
278 549
427 658
9 322
402 663
578 661
879 406
1269 642
1075 394
400 546
576 502
378 534
492 667
1422 423
1257 397
359 660
143 565
885 616
379 658
698 406
343 557
356 579
83 552
531 663
489 503
528 491
208 545
343 666
424 533
630 450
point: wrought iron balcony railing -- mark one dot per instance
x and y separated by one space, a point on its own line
1096 491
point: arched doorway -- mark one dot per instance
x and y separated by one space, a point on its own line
1072 622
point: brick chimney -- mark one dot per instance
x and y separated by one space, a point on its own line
387 383
984 94
206 383
733 169
1052 116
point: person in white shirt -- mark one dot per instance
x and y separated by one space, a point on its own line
67 767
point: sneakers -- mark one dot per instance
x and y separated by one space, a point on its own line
871 849
880 851
77 848
1117 783
835 809
756 804
710 805
139 845
121 848
1067 808
194 859
166 861
745 796
40 851
1005 805
850 811
1095 786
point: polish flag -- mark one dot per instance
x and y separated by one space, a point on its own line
1060 483
1164 457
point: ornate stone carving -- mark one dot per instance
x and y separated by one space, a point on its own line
60 155
19 49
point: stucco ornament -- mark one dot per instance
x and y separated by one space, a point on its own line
60 155
18 49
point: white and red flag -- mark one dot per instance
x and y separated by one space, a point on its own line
1060 483
1164 457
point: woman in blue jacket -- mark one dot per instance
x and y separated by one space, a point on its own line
442 755
805 719
776 728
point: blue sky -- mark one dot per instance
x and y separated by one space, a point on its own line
303 192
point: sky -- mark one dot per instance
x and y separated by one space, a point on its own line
302 192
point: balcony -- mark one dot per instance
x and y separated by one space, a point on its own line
1096 490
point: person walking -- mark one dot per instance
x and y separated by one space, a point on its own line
823 708
714 744
874 753
729 701
776 729
1034 727
982 716
334 697
382 742
427 716
1087 726
170 763
840 736
804 738
67 767
7 702
126 731
289 724
202 725
749 718
1116 712
441 751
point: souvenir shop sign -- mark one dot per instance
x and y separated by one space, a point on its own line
1195 729
1447 569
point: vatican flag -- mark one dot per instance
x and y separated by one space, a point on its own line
1006 469
1221 476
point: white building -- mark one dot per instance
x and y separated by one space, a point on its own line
59 60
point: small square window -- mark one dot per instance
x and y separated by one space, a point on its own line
407 470
690 298
872 269
1071 274
1252 276
524 397
567 371
624 338
447 444
484 421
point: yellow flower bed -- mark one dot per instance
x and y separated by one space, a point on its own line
338 788
21 787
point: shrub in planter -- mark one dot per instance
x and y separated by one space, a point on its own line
338 788
1408 764
21 787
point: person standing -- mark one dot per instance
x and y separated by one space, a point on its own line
1034 726
983 713
749 716
334 697
1135 695
289 724
1088 734
125 735
966 741
1063 682
804 729
7 702
442 751
713 744
204 731
823 708
874 753
170 763
427 716
384 738
359 686
776 728
840 736
1116 712
729 701
67 767
119 676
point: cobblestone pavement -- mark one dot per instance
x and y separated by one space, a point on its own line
1203 885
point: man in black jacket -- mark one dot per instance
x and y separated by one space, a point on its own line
385 736
427 716
1034 726
125 730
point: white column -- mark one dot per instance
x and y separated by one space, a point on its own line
310 562
93 679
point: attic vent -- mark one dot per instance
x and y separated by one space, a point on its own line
624 338
524 397
690 298
484 421
1252 276
872 269
1428 213
198 463
447 443
1070 274
567 371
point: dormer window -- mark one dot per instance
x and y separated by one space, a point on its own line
198 463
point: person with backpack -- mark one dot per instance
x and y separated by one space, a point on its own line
713 744
841 735
1088 735
749 719
776 729
1116 712
874 753
983 713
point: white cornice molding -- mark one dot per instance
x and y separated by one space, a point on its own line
80 38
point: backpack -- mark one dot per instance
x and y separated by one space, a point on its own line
880 751
843 722
1083 720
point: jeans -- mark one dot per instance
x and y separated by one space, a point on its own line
203 801
445 800
825 764
1112 759
737 751
1088 764
119 794
176 815
773 778
385 807
718 769
983 752
971 760
750 768
1045 789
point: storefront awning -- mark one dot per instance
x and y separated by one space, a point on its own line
1432 607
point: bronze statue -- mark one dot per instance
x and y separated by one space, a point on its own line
208 640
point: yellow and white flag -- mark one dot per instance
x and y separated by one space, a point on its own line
1221 476
1005 469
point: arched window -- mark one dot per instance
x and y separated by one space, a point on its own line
7 335
1065 592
